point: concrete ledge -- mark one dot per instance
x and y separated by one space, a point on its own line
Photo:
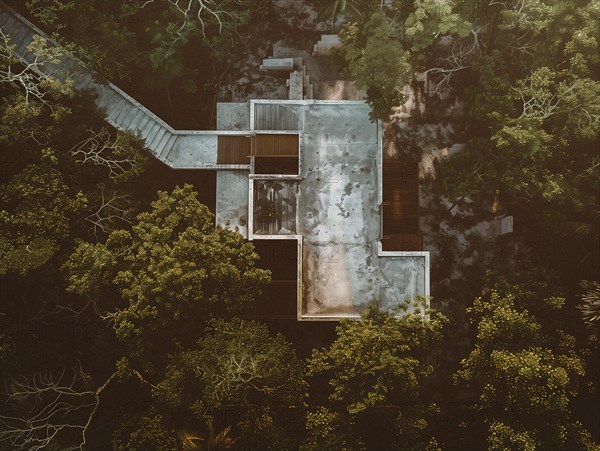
277 237
326 44
276 176
284 64
306 102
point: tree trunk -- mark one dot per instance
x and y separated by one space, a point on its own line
170 102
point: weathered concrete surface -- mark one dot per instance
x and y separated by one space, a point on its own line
326 44
284 64
232 200
338 209
402 279
233 116
194 151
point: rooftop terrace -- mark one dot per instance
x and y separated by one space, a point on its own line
332 207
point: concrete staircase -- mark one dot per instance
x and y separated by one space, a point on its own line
299 85
122 111
175 148
326 44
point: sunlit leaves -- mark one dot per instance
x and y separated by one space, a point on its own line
175 269
431 19
37 215
373 363
524 383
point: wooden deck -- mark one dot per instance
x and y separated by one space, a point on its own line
233 149
274 117
275 145
401 224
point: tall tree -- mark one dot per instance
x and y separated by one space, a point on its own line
376 369
173 270
36 219
376 61
525 371
237 376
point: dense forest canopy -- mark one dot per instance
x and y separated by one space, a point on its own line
127 314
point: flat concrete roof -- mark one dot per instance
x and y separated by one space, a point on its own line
341 267
338 209
233 116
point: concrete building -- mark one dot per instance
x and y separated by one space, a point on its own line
303 170
325 190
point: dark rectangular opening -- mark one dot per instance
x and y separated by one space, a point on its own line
276 165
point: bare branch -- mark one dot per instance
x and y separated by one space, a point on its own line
111 213
459 59
201 12
32 76
41 408
542 97
102 149
52 309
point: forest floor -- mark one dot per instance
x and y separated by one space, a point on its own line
287 29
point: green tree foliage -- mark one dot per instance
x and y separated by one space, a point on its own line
236 367
49 12
97 28
173 269
37 215
347 8
533 128
33 103
376 369
532 120
525 371
47 200
376 61
384 49
214 21
122 157
430 19
147 432
152 48
235 362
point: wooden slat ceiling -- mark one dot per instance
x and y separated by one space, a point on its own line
274 117
233 149
401 224
275 145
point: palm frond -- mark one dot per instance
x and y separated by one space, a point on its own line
590 308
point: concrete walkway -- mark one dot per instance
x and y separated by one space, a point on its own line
176 148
